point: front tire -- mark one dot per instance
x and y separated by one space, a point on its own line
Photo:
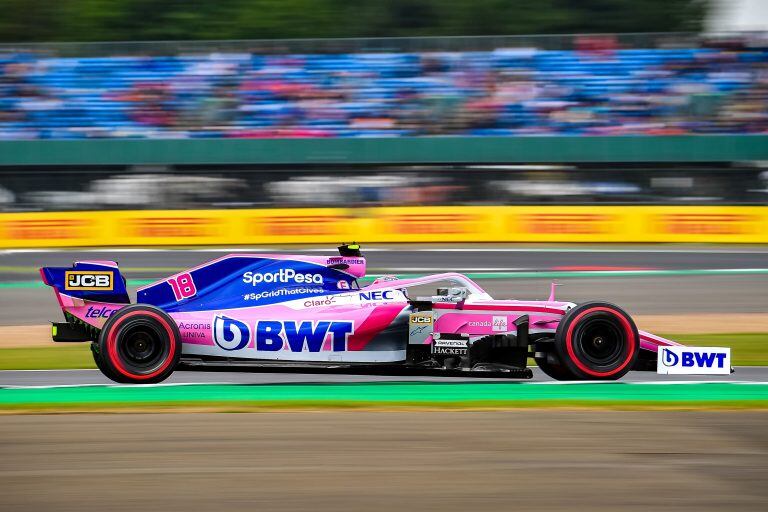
555 371
139 344
597 341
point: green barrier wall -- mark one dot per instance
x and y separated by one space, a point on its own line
699 148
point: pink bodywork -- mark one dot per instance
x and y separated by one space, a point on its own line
477 316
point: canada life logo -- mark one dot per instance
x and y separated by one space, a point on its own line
500 324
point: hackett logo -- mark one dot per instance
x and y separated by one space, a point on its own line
94 281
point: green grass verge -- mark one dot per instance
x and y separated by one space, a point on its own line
747 350
57 357
473 395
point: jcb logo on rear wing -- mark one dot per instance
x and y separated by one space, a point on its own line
88 280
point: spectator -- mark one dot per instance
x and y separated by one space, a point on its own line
597 89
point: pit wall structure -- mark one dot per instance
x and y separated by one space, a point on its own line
394 150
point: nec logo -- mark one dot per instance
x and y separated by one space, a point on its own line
385 295
95 281
692 360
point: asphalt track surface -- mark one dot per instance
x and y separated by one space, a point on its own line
382 461
14 378
652 294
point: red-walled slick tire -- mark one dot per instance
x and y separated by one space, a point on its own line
139 344
555 371
597 341
101 365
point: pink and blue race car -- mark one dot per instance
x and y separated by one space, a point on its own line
267 310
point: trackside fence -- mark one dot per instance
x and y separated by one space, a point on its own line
618 224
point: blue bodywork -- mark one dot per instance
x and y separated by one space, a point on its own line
246 281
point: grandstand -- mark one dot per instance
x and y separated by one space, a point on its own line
512 90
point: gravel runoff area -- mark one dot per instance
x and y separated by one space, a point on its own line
337 461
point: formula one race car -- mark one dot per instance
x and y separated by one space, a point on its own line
301 311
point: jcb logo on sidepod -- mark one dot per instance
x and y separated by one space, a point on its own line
98 281
421 318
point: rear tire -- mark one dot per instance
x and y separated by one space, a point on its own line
102 366
597 341
139 344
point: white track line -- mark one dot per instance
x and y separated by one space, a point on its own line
547 383
170 384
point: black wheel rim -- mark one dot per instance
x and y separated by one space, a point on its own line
142 346
600 342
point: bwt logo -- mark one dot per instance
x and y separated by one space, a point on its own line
99 281
693 359
274 335
271 333
230 334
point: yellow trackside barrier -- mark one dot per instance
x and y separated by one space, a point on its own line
697 224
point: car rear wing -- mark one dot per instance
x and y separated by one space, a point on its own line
88 293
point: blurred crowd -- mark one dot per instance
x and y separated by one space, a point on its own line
592 90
